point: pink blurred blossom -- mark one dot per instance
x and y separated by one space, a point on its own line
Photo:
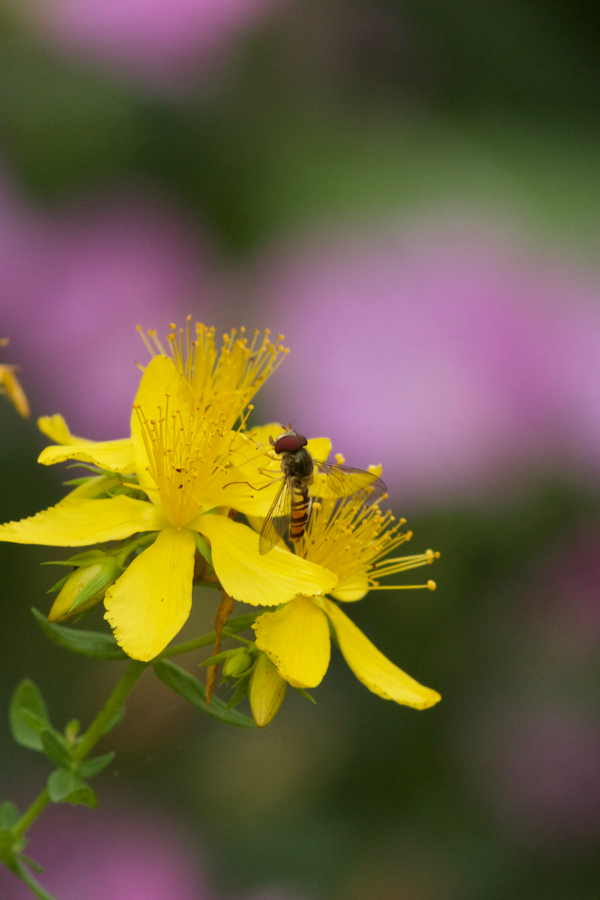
449 352
114 855
543 773
74 286
155 40
563 611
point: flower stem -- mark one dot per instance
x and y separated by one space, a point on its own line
186 646
32 813
90 739
132 673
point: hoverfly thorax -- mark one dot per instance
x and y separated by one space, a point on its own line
291 507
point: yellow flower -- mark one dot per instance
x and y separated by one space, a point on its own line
349 540
180 449
9 385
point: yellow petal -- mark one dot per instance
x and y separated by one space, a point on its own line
161 383
352 588
296 640
114 456
261 433
9 383
58 431
82 522
319 448
149 603
251 578
371 667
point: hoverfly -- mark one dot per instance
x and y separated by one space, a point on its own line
291 506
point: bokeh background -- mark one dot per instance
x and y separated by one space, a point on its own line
411 193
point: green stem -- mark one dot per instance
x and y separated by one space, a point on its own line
133 672
32 813
235 637
90 739
186 646
204 641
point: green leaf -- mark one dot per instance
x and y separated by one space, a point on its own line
240 692
91 767
7 843
67 787
36 889
31 863
88 643
27 697
112 723
203 549
54 749
36 722
192 690
71 731
9 814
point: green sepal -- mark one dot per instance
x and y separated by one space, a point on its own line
55 749
203 549
306 695
27 697
220 657
88 643
91 767
9 814
90 467
65 786
241 691
80 559
59 584
192 690
114 721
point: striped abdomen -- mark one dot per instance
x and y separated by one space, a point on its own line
300 509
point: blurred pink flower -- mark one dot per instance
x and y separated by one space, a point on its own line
542 771
562 612
72 290
114 855
449 353
155 40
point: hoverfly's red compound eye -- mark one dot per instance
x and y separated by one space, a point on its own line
290 442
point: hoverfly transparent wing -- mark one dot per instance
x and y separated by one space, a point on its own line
343 481
278 518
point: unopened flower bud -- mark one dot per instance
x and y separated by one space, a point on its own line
236 664
85 588
267 690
